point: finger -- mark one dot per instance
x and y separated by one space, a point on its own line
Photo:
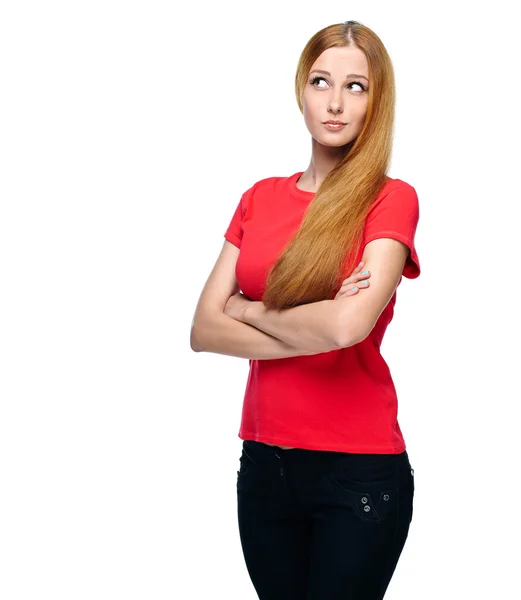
362 275
350 292
352 281
345 286
355 278
352 289
357 269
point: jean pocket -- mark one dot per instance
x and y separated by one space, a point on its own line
368 483
369 503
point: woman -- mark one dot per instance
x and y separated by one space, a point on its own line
325 487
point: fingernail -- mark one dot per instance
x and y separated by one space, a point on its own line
365 273
355 288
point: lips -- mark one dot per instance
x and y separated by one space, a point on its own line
334 126
334 123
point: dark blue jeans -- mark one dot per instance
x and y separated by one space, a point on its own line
322 525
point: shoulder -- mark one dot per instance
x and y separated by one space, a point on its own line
270 182
395 192
395 185
267 186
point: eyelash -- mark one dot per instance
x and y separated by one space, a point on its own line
315 79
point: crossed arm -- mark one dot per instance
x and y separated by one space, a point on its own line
334 324
309 326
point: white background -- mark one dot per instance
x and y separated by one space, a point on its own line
129 131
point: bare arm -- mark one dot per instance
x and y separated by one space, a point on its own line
308 326
214 331
223 335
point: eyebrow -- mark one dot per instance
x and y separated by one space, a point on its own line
328 73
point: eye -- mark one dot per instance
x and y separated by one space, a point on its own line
357 83
316 79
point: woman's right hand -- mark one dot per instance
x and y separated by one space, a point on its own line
355 282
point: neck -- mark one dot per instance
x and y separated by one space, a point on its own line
323 160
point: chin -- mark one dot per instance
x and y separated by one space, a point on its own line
331 144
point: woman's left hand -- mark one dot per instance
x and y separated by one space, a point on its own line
236 306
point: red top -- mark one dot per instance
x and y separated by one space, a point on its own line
343 400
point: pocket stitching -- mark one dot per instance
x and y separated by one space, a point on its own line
375 516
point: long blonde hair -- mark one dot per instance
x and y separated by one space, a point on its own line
310 267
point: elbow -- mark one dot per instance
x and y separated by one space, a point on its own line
345 341
349 334
350 340
195 344
205 331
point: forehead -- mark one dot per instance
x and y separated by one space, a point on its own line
341 61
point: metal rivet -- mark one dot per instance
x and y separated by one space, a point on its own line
364 499
367 508
386 496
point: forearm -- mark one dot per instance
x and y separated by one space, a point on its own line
312 327
223 335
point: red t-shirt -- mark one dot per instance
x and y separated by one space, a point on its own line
343 400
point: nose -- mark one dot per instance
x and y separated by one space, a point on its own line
335 102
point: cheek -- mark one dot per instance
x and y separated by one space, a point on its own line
362 111
311 106
313 112
359 118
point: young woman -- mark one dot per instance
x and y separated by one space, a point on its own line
325 487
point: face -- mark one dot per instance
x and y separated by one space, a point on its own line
341 94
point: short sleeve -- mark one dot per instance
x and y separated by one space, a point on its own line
396 216
234 231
